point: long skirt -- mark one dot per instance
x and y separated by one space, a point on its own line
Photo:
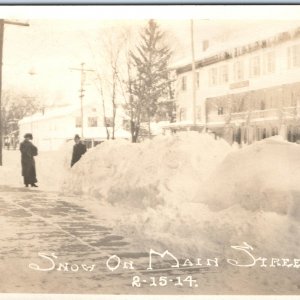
29 172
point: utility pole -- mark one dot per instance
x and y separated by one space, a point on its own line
81 91
2 23
193 72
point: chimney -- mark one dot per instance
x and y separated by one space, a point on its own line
205 45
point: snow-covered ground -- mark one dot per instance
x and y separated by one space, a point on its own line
145 188
51 168
162 171
188 193
195 194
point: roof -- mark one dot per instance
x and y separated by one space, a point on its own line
49 114
222 51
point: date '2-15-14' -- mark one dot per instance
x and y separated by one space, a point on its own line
162 281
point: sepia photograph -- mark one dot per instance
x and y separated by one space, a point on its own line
150 150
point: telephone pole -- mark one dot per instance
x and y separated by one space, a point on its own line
81 91
2 23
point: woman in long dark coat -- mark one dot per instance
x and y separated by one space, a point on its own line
28 151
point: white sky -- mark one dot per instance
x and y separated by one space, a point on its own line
60 38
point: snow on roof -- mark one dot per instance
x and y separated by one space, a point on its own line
53 112
50 113
243 39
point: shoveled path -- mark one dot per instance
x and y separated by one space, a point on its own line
34 221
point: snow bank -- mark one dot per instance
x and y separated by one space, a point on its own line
146 190
164 170
262 177
193 194
253 195
189 192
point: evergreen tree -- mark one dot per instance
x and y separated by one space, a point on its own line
149 81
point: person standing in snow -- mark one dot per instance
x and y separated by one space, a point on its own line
28 151
78 150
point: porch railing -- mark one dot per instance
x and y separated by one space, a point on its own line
274 113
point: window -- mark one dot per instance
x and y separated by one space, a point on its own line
182 114
258 138
238 68
92 121
274 131
108 121
293 100
269 63
78 122
183 83
255 66
238 135
213 76
224 74
273 102
220 110
198 80
245 134
290 135
264 133
198 113
238 104
205 45
293 56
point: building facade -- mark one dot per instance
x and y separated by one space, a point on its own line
244 93
55 126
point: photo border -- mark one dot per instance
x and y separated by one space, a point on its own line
8 7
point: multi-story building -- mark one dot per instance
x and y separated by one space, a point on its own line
243 93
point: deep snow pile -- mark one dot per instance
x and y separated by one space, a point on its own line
261 177
193 194
190 194
164 170
187 192
254 195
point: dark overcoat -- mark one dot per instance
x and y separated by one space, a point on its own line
28 151
78 150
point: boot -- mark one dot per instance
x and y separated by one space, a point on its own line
34 185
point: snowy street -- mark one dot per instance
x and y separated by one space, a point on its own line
90 228
35 222
150 155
